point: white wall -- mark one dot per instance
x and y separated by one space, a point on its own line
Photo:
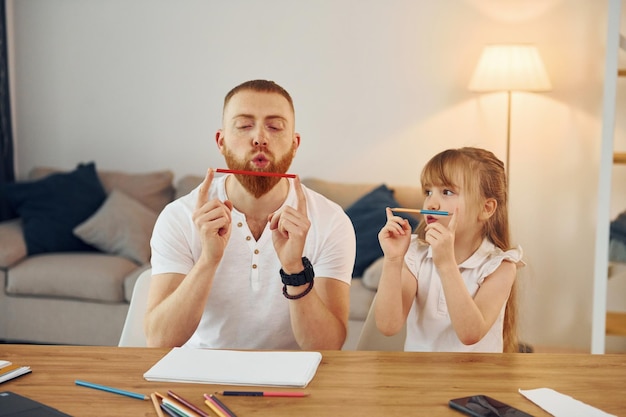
379 87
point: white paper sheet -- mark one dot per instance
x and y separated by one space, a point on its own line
230 367
7 376
561 405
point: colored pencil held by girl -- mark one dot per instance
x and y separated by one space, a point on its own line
453 282
421 211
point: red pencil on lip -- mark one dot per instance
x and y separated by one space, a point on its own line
257 173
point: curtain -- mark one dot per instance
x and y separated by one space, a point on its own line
7 170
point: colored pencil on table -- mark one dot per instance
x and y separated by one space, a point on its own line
180 408
227 411
419 211
187 403
221 404
215 408
257 173
171 411
264 393
156 404
110 389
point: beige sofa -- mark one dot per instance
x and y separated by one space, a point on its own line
363 288
77 297
83 298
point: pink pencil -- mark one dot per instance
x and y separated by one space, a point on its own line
257 173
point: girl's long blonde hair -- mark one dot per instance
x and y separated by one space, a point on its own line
482 176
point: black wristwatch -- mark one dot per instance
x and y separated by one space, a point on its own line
304 277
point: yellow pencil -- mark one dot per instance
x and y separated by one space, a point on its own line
214 408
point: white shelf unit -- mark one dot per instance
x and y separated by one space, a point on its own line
608 157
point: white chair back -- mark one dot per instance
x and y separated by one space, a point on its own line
372 339
133 334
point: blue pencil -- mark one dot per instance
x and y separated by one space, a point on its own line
109 389
420 211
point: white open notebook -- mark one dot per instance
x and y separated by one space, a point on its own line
231 367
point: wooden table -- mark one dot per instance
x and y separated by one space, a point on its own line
347 383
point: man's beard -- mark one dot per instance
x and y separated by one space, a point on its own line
258 185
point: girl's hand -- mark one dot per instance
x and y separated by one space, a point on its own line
441 240
395 236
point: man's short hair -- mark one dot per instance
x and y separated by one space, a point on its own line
261 86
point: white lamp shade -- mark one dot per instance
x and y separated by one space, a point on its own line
510 68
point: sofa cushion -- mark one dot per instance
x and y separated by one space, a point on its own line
121 226
12 244
371 275
368 217
83 276
360 300
52 206
152 189
186 184
344 194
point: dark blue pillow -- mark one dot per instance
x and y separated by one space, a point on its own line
617 228
368 217
53 206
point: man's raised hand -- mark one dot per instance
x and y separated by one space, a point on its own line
290 227
213 220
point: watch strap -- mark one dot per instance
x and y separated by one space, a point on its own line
304 277
302 294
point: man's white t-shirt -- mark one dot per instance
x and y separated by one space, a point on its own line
429 328
246 308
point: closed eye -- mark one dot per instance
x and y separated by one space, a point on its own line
275 124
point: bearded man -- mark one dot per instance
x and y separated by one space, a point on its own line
252 259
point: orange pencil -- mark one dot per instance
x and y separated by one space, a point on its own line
155 402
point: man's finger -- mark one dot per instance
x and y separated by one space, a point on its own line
272 219
224 230
300 195
203 193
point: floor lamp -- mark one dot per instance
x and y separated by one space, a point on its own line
509 68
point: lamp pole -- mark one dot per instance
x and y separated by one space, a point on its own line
508 136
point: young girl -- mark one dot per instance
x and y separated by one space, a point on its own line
453 282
